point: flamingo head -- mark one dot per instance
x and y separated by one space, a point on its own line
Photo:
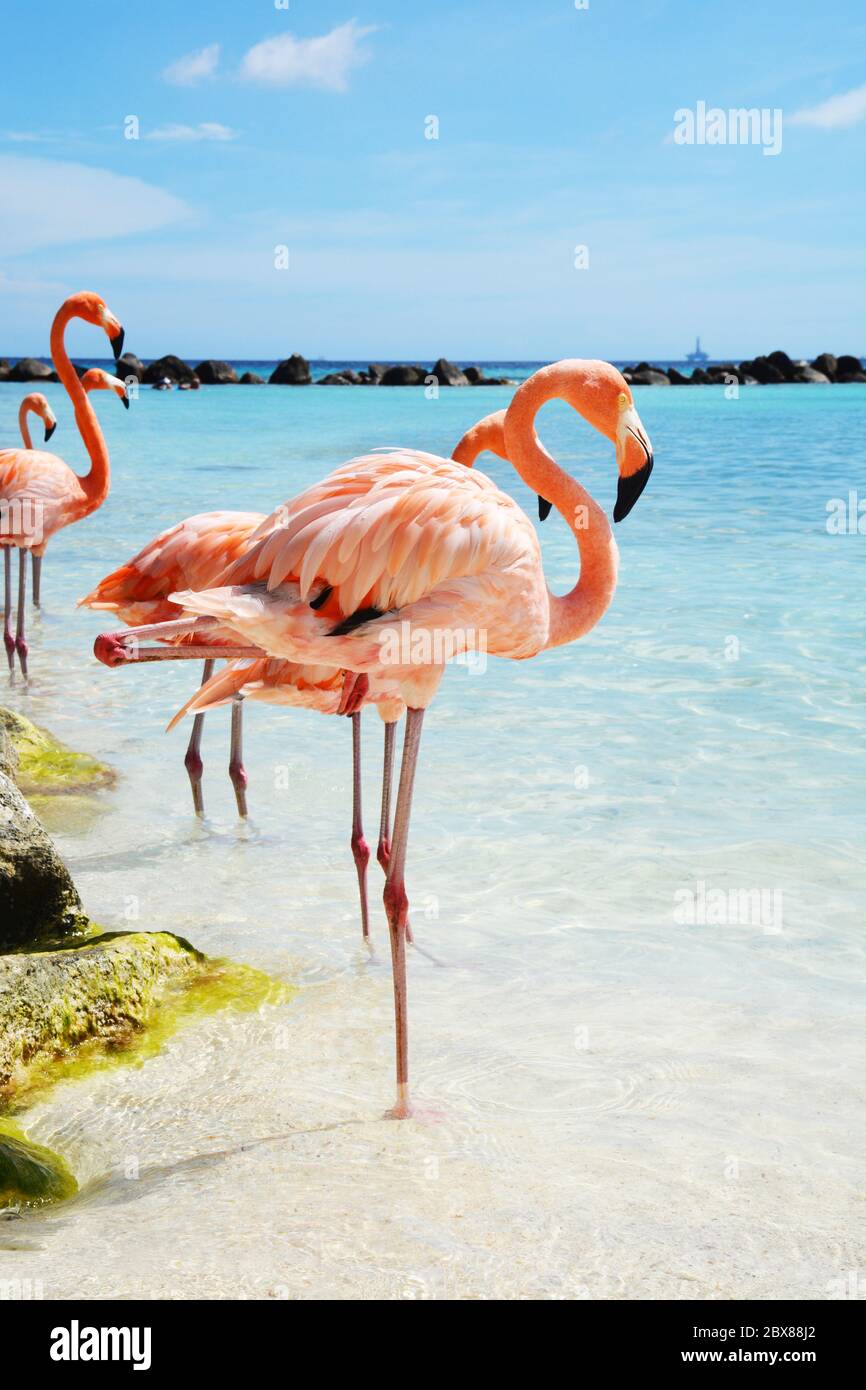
93 309
488 433
39 405
604 398
95 379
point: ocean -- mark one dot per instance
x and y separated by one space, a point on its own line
637 873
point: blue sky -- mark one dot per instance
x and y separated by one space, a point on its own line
305 127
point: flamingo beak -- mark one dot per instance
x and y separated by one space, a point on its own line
544 508
117 343
629 489
124 400
49 430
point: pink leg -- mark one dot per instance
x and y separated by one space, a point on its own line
397 906
192 761
383 849
20 642
37 579
8 637
237 771
360 848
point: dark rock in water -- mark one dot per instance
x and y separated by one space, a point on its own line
252 379
725 374
849 368
349 377
212 372
677 379
38 901
475 376
701 378
404 375
825 362
782 362
29 369
292 371
448 374
376 371
30 1175
5 369
765 372
129 366
169 366
165 384
647 376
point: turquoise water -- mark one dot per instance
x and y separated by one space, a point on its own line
632 1104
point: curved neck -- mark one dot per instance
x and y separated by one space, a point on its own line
488 433
575 613
23 411
95 484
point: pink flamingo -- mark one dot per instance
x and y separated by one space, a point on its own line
410 559
38 491
190 555
34 404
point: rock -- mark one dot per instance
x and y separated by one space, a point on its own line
810 374
849 368
404 375
349 377
647 376
763 370
825 362
292 371
725 374
38 901
46 766
164 384
5 369
129 366
448 374
376 370
30 1174
30 369
252 379
214 373
701 378
107 988
475 376
782 362
170 367
677 379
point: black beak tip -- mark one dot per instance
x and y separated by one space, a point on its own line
630 489
125 400
117 343
49 430
544 508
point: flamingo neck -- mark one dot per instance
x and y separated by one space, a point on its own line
574 614
23 411
488 433
94 484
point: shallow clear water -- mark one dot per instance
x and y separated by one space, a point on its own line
630 1105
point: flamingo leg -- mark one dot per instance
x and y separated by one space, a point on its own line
37 579
397 906
360 848
20 640
237 771
192 759
8 639
383 849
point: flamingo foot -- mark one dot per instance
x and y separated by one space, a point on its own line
9 644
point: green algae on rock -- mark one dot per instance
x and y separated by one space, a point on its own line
117 998
46 766
30 1174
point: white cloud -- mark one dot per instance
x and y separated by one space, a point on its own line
834 114
321 62
205 130
194 68
48 202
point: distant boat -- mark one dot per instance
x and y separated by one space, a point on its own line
698 355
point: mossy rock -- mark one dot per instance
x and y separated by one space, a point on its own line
46 766
30 1174
114 998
